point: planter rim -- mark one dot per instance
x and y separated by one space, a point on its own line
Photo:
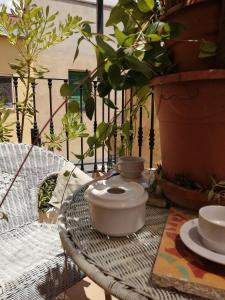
181 188
174 9
201 75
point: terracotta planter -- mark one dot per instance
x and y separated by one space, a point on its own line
184 197
191 111
201 18
187 198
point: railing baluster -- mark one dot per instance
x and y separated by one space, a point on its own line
34 130
140 133
81 120
95 122
115 127
67 140
51 127
18 128
109 162
152 132
131 120
122 113
103 147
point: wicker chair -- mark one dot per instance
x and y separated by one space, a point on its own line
32 262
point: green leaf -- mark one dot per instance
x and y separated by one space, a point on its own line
108 144
73 106
109 103
5 115
138 78
139 66
90 107
66 173
121 150
207 49
107 65
114 76
130 40
79 156
153 37
86 29
65 90
105 48
101 131
46 11
91 141
104 89
120 36
115 16
3 216
145 5
52 17
211 195
77 49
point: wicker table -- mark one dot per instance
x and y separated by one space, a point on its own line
121 266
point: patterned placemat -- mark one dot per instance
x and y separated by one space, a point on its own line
177 266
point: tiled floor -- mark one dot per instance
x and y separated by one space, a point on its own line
84 290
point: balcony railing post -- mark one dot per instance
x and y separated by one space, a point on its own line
131 120
95 123
67 139
99 16
122 114
103 147
34 130
109 161
152 132
51 127
81 120
18 127
140 133
115 127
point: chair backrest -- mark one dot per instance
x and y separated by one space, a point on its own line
21 205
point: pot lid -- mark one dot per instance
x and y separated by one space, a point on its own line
110 194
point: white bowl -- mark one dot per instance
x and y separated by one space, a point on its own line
211 227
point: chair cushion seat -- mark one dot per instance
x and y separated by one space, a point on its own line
32 256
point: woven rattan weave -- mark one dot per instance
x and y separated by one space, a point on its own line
121 266
32 262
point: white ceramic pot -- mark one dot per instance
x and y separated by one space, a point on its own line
130 166
116 209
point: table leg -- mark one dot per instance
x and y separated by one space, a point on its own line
107 296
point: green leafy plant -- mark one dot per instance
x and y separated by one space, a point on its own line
31 30
45 192
6 129
128 59
217 191
72 128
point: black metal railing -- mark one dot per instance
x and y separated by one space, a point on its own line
44 101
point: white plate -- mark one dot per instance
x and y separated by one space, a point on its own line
191 238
